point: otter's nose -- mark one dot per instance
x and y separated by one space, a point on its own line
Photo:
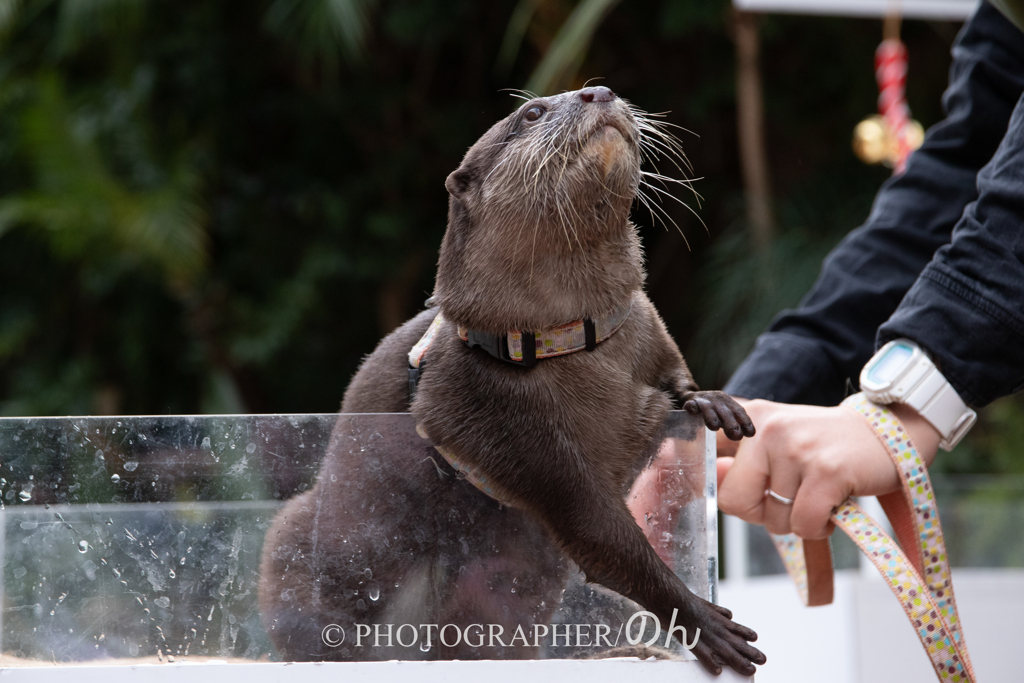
598 93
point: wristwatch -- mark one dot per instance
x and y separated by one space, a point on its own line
902 373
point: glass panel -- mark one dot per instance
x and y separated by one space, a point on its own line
140 538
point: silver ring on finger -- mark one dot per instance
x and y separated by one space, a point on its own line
781 499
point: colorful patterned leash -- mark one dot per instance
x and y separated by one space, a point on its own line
918 574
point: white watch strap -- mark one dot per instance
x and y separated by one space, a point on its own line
921 386
935 400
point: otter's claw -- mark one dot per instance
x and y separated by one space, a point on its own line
723 642
720 411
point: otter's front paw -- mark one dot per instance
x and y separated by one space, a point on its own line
720 411
723 642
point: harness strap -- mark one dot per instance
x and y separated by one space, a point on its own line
917 570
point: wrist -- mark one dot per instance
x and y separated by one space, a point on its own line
923 434
903 373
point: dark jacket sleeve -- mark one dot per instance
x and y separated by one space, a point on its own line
967 307
807 354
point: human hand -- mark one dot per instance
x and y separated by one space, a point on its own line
817 457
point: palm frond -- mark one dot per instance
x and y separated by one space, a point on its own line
515 31
81 206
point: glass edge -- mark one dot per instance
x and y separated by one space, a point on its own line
711 496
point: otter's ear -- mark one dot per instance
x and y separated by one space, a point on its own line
459 182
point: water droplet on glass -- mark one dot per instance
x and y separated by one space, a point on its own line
368 573
374 593
205 445
251 448
182 561
115 478
187 550
25 495
173 575
83 546
163 601
425 646
130 466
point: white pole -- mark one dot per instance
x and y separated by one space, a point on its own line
737 557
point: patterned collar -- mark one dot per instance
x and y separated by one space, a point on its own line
515 347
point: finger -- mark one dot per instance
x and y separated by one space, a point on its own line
785 481
740 663
691 407
737 414
708 658
745 422
722 466
743 632
741 493
707 409
730 426
725 612
726 446
812 510
750 652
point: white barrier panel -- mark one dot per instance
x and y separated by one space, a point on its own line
917 9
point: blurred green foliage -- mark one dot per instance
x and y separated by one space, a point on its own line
221 206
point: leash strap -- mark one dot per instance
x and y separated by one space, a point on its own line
916 570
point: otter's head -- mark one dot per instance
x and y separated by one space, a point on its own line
538 219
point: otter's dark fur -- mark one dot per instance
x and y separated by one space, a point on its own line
538 235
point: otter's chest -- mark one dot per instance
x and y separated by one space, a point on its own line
503 426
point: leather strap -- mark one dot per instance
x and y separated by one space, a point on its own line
916 570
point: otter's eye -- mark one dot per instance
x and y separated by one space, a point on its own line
533 113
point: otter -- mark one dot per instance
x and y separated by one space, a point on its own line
539 239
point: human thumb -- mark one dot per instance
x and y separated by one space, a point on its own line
723 465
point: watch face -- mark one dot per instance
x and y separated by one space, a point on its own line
888 367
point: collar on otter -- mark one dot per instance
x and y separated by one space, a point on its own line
514 346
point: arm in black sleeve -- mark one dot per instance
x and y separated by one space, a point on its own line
967 308
807 354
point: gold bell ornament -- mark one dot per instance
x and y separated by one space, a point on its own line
891 135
